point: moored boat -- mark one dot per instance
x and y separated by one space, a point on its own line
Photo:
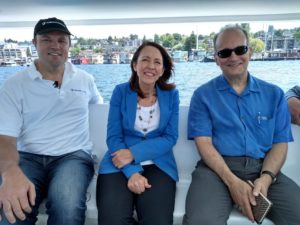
8 63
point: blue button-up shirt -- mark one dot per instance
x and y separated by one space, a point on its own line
240 125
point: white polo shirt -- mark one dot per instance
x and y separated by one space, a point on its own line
47 120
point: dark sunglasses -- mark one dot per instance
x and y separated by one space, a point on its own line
225 53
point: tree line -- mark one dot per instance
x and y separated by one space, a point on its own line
177 41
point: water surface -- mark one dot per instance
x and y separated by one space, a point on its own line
188 76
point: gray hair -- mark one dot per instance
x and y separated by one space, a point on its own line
231 27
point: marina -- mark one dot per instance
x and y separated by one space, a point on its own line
120 51
188 75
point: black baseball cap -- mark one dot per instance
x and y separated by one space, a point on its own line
51 24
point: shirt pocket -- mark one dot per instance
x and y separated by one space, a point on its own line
264 127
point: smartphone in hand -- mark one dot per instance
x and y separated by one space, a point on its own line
262 207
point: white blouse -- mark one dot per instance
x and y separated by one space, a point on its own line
146 120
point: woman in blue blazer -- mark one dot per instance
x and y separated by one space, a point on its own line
139 170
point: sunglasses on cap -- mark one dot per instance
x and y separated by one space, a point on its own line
226 52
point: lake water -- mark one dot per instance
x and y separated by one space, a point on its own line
188 76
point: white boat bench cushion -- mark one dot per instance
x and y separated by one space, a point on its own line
186 157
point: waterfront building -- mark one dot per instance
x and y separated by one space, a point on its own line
179 56
12 53
125 57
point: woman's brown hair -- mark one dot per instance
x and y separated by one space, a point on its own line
168 65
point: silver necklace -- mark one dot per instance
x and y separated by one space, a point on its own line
145 121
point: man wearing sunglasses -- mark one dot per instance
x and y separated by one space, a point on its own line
241 126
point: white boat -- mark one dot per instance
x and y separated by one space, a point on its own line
9 63
145 12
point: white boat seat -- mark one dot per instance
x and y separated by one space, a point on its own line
186 156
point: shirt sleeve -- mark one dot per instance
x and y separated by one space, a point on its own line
199 119
115 137
293 92
95 98
10 111
282 132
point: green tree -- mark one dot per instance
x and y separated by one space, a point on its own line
133 36
257 45
28 52
279 32
258 34
74 51
179 46
178 38
201 37
10 41
246 27
207 43
297 34
167 40
81 41
190 42
110 40
156 38
97 50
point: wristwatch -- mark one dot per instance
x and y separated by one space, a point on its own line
272 175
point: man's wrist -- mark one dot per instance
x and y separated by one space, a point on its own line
270 174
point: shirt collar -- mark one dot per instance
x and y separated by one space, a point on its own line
33 73
252 86
69 72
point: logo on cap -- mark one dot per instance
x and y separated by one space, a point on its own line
49 25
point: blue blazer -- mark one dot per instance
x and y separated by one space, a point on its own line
157 145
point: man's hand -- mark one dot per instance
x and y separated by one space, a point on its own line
294 108
262 185
122 158
17 194
138 183
242 195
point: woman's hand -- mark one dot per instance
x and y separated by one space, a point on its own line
137 183
122 158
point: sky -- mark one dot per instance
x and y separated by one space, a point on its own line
103 31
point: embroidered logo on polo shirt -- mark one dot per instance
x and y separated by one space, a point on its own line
77 90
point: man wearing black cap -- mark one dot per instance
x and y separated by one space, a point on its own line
44 135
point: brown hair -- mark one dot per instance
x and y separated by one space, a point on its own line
168 65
